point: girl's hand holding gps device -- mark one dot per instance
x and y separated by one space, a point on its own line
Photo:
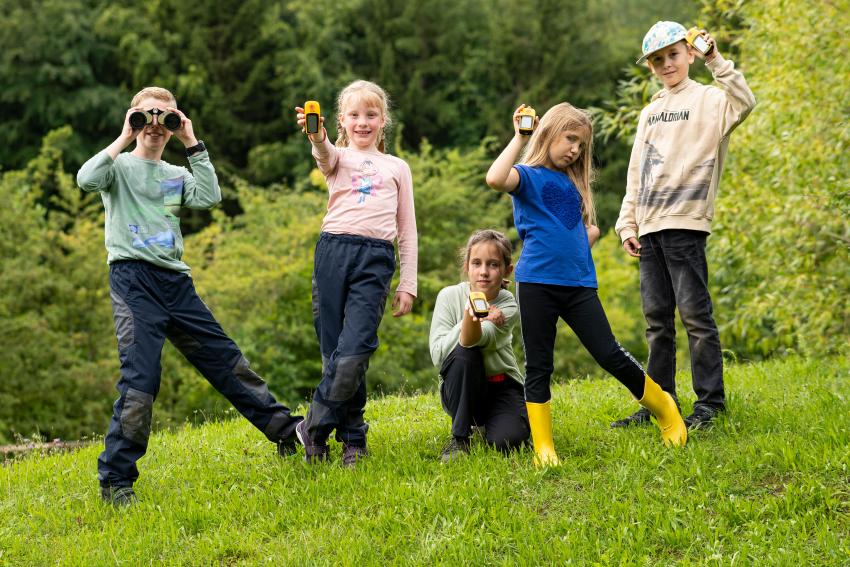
527 120
310 119
478 302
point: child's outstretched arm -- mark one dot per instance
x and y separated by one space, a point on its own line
502 176
324 152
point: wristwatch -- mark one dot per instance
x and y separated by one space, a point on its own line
196 149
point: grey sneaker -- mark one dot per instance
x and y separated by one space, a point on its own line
640 417
353 453
118 496
454 449
313 453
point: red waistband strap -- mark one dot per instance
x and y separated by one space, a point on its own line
496 378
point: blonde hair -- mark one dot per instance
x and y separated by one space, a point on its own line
373 96
558 119
503 245
158 93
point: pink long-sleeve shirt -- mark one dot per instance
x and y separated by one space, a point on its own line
371 194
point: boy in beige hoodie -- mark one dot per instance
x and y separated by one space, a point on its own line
666 215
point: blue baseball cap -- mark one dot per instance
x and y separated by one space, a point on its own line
660 36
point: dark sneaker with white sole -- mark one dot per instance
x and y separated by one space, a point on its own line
640 417
352 453
118 496
313 453
702 417
456 448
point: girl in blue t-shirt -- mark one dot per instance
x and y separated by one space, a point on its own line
554 215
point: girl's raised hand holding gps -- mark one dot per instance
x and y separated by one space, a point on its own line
301 119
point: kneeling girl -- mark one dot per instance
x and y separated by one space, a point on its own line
481 381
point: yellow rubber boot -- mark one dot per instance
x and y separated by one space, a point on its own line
663 407
540 420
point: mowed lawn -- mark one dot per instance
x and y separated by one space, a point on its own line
768 485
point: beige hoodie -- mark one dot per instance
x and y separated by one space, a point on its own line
678 153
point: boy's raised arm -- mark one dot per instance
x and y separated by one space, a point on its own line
740 100
97 173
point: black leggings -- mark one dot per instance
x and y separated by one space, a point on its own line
540 306
471 399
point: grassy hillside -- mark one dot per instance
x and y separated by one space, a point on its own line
769 485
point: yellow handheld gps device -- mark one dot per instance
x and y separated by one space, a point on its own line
698 42
312 122
479 304
526 121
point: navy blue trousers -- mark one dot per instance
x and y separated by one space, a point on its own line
351 281
151 304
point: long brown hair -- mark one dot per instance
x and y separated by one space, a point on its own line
503 245
373 96
557 120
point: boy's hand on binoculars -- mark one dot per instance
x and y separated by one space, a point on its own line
185 133
301 120
402 303
128 133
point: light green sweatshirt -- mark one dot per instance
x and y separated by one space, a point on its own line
142 198
495 342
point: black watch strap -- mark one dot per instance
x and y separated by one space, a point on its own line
196 149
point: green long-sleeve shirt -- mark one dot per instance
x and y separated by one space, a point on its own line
495 343
142 198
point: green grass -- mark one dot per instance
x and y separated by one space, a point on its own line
768 485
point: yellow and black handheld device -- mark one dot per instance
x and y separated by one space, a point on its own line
698 42
526 121
312 112
479 304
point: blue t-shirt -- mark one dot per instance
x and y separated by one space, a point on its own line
547 215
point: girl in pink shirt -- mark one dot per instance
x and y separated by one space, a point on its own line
370 205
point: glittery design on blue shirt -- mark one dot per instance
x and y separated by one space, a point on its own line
563 202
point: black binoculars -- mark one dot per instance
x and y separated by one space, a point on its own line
141 118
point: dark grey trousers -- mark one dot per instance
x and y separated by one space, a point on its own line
674 274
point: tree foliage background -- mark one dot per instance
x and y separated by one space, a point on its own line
455 70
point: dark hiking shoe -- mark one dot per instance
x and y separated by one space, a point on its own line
640 417
454 449
287 447
702 417
118 496
352 453
313 453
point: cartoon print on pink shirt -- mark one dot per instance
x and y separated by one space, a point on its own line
366 180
